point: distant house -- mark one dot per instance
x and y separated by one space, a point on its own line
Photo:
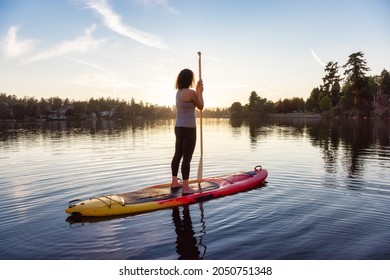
109 114
59 114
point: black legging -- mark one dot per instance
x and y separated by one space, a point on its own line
184 148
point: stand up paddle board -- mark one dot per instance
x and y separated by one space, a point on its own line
161 196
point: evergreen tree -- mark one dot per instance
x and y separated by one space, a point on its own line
335 93
355 72
356 68
331 77
254 101
331 86
384 82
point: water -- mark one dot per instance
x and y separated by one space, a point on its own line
327 195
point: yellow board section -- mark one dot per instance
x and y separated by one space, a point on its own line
115 204
109 205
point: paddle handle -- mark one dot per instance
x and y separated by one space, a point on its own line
200 166
200 65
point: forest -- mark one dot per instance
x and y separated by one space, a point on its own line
56 108
355 94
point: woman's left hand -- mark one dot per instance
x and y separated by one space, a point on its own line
199 87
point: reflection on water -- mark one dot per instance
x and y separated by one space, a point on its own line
326 179
351 145
353 140
187 245
10 131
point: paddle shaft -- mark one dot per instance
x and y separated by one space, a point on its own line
200 166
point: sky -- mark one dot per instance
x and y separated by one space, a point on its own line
79 49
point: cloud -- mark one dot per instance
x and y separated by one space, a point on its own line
102 78
114 22
15 47
104 81
85 63
162 3
316 57
81 44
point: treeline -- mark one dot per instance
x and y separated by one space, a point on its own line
359 94
56 108
356 94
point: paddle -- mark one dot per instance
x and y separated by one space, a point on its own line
200 166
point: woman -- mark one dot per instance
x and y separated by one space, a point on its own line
185 130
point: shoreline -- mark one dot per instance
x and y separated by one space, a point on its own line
295 116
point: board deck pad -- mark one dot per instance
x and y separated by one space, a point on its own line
162 193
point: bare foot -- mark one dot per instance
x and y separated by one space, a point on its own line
175 183
188 191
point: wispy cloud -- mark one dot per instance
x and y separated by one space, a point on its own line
159 3
81 44
85 63
317 58
15 47
104 81
101 78
114 22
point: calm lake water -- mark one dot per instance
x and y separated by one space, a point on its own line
327 196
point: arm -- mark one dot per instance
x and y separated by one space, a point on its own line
197 96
